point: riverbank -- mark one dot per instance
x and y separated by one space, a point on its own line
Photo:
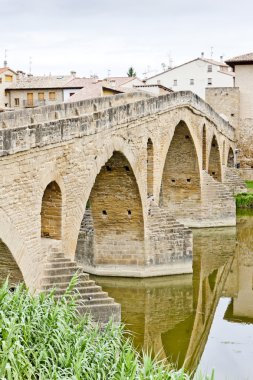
44 339
245 200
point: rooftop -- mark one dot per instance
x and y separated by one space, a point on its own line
34 82
240 60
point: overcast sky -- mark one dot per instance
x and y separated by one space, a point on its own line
94 36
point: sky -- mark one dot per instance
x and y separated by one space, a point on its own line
108 36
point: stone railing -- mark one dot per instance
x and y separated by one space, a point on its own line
66 121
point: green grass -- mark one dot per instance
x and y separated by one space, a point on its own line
44 339
244 200
249 184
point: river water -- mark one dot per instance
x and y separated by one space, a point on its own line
202 321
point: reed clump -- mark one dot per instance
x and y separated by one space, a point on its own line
41 338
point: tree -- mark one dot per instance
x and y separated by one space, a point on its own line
131 72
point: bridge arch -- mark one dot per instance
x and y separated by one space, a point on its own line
214 161
181 173
51 212
150 167
204 147
11 238
112 228
230 158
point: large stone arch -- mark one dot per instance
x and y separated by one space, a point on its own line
181 172
101 155
112 228
12 239
214 159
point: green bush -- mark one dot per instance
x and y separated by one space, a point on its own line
249 184
44 339
244 200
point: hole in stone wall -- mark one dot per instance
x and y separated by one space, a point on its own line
94 107
76 112
127 168
173 180
187 137
104 212
232 114
214 145
129 212
108 168
213 173
188 180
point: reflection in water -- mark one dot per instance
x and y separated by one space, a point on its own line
8 266
171 316
177 317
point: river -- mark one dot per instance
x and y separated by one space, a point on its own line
202 321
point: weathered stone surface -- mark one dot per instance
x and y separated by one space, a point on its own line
96 152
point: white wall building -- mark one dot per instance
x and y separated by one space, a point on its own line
195 76
7 77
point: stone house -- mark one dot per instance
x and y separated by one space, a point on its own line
32 91
7 77
237 105
195 76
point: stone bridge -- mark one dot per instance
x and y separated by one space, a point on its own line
113 183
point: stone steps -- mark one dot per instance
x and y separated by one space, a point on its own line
90 298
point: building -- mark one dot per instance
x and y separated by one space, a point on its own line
32 91
7 77
237 105
195 76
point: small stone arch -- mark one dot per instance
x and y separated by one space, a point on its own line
204 148
214 162
231 158
150 168
51 212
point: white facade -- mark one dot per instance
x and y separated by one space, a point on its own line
243 80
195 76
7 77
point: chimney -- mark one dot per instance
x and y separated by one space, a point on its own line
202 54
73 73
221 58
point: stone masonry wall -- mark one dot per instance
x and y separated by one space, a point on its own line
71 152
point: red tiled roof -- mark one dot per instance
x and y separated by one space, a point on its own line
3 69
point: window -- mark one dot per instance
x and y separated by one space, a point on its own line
191 81
52 95
209 81
41 96
71 93
175 82
209 68
16 102
8 78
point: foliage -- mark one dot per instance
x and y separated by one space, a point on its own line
41 338
244 200
249 185
131 72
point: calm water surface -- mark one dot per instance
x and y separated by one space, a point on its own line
203 321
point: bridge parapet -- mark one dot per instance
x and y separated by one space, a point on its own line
64 122
43 114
